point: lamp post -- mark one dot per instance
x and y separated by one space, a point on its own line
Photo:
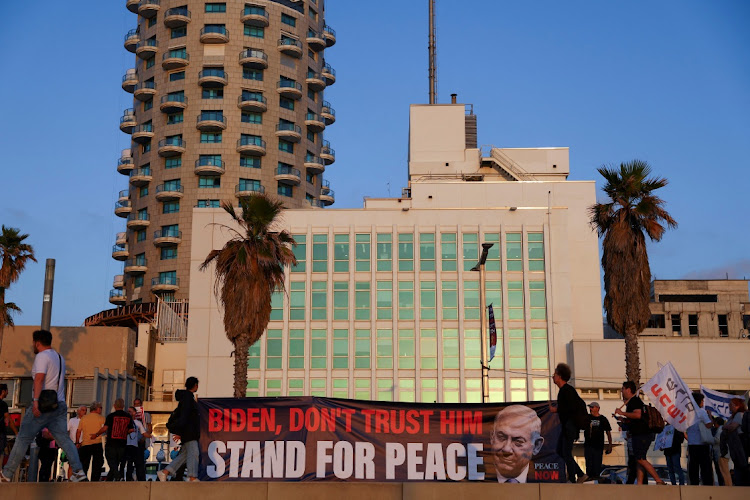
483 307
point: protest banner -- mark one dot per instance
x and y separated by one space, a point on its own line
319 439
717 403
672 397
664 439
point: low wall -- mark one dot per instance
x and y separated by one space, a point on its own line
363 491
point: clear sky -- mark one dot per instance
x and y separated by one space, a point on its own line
664 81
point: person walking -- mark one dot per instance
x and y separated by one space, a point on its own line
5 421
716 449
672 456
134 457
73 431
184 424
145 418
569 408
737 439
593 446
91 451
117 425
48 375
699 447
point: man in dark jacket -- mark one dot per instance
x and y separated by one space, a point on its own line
186 428
569 404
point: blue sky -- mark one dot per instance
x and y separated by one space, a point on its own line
667 82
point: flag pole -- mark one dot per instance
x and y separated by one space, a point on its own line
483 307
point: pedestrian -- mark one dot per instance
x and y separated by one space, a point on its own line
47 456
572 413
134 457
716 449
723 458
48 374
5 421
91 450
593 446
699 446
184 424
117 425
640 435
737 435
145 418
73 431
672 455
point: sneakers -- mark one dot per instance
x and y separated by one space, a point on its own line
162 475
3 479
79 477
583 479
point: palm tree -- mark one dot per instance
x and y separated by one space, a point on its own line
14 254
633 213
249 269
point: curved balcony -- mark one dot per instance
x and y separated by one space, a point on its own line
132 5
167 192
314 203
176 17
123 195
211 121
143 133
255 16
327 153
314 122
254 58
148 8
121 238
135 266
145 49
138 221
212 78
167 237
144 91
128 121
289 131
330 35
315 40
140 176
289 89
117 297
175 59
325 185
315 165
249 102
125 164
132 38
251 146
329 74
209 166
171 147
287 175
120 252
173 103
247 189
290 47
328 113
129 81
165 284
123 208
118 283
214 34
328 198
315 81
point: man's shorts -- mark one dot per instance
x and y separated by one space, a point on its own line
641 444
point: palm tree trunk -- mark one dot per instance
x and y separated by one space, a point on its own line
632 357
240 366
2 322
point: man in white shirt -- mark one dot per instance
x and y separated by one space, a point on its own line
133 451
73 430
48 373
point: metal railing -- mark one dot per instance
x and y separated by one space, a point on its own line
251 141
125 160
313 117
134 33
116 294
327 108
287 170
249 187
328 69
130 75
177 11
173 141
212 72
213 116
290 42
174 98
147 43
138 216
122 204
167 188
209 162
221 30
286 84
165 280
314 159
140 262
258 54
145 85
251 98
288 127
176 54
119 248
329 30
167 233
141 172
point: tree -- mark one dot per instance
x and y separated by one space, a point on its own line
14 254
249 269
633 213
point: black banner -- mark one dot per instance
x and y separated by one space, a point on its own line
318 439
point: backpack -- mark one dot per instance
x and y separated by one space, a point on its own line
653 419
173 424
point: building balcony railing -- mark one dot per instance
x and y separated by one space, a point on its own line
145 49
314 164
314 122
328 198
288 175
121 238
167 237
171 147
120 252
254 58
125 165
128 121
129 81
252 102
290 47
330 35
123 208
314 203
175 59
143 133
118 282
325 186
205 166
165 284
173 103
329 74
244 190
289 89
315 40
135 266
327 153
315 81
211 121
255 16
214 34
169 192
144 91
123 195
252 146
117 297
328 113
148 8
289 131
176 17
138 221
132 38
140 176
212 78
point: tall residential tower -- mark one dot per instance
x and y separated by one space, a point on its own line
228 101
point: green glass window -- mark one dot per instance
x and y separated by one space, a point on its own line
286 103
362 252
253 388
497 390
518 390
296 387
178 33
473 390
210 138
250 117
426 251
297 349
216 7
429 390
207 93
540 389
471 300
174 118
318 300
286 146
148 105
385 389
341 388
384 350
170 207
385 252
493 291
362 388
362 349
168 253
287 19
428 348
406 349
362 300
254 31
406 252
297 301
405 300
427 300
318 387
138 281
517 349
384 300
140 235
300 253
274 349
252 74
470 250
318 352
451 390
448 251
320 253
538 300
340 349
515 300
406 390
341 300
535 243
150 62
513 254
173 162
450 300
250 161
208 204
539 356
273 388
176 76
450 348
472 349
341 253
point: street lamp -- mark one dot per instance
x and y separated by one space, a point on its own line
483 307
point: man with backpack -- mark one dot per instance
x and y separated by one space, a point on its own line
184 424
571 410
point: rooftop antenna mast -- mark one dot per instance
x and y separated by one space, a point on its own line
433 54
